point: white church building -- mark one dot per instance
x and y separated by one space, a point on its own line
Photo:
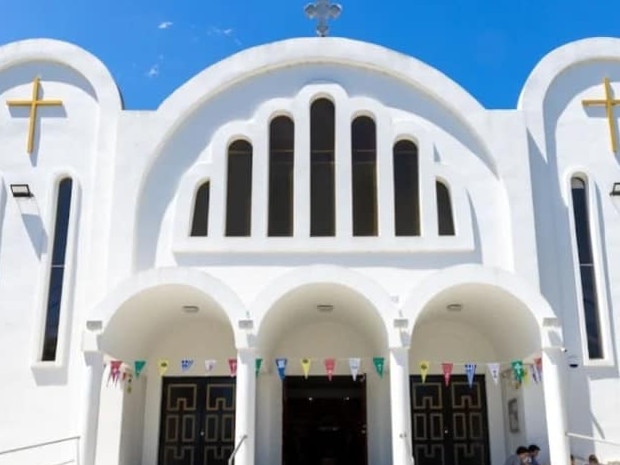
316 252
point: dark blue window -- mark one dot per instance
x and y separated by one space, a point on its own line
200 222
59 251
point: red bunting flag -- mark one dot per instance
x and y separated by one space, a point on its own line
447 371
115 371
330 366
232 364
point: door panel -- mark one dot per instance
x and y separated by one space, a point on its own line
197 420
449 423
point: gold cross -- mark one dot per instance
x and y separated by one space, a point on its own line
609 102
33 104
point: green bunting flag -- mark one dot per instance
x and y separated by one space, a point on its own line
138 366
517 369
259 362
379 363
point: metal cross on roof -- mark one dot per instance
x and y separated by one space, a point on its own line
322 11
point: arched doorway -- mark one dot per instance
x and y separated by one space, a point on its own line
187 411
315 420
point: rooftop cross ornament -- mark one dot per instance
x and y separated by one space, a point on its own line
33 104
609 102
322 11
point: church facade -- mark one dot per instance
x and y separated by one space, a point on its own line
317 251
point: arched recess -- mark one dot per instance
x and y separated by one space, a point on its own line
317 313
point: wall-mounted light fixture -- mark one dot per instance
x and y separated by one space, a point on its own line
401 323
615 189
21 191
190 309
246 323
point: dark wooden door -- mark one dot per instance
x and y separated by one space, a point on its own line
324 422
449 423
197 421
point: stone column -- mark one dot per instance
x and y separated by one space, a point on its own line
400 406
557 426
245 406
90 407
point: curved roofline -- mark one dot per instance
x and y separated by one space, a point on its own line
556 62
81 61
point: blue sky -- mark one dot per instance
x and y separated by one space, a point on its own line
152 47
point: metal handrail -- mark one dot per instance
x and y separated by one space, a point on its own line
232 456
590 438
40 444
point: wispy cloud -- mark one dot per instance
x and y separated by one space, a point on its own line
228 33
165 25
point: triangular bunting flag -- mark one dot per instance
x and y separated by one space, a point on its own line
138 366
517 369
447 371
494 370
232 365
258 363
470 371
115 371
534 373
526 375
210 365
186 364
379 363
281 366
163 365
305 366
354 366
424 367
330 366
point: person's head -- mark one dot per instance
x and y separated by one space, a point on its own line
522 452
533 450
592 459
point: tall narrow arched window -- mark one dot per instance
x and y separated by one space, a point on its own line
200 221
587 273
406 189
57 271
322 182
239 192
364 176
281 162
445 218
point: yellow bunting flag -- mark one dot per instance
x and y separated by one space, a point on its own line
424 367
163 366
305 366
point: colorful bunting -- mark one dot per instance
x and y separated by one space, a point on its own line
517 369
305 366
232 365
115 371
494 370
186 364
138 366
330 366
354 366
258 363
379 363
447 371
534 374
210 365
470 371
163 364
281 366
425 365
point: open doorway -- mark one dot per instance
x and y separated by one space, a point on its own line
324 422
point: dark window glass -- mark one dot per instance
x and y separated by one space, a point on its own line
59 249
200 222
445 220
406 190
239 194
586 268
281 162
364 176
322 183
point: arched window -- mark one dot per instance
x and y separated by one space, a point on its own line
445 218
364 176
200 222
586 267
322 183
281 162
239 192
406 189
57 271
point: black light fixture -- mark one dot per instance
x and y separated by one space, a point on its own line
615 189
21 191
